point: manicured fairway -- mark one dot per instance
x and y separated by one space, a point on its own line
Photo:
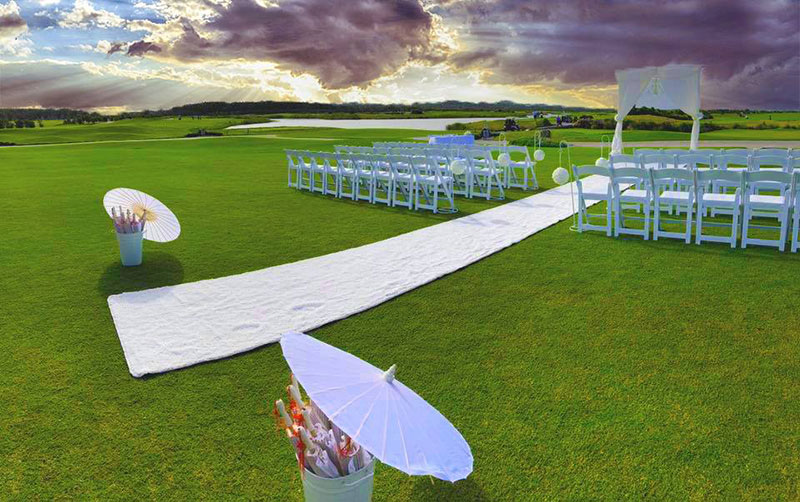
576 366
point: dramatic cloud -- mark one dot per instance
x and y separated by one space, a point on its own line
141 48
341 43
84 15
11 23
562 52
578 43
13 31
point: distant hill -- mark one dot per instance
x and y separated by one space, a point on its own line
221 108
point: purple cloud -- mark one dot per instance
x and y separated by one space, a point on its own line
342 43
11 23
139 48
754 44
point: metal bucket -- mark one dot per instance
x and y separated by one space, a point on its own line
355 487
130 248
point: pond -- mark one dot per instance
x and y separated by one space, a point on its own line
437 124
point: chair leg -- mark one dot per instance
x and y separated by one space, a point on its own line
735 229
784 225
656 220
617 207
795 228
745 225
646 221
689 211
698 237
608 218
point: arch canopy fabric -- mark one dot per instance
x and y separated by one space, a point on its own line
671 87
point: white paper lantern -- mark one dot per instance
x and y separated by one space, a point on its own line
458 167
538 155
504 160
561 176
601 162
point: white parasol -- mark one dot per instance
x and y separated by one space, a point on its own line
161 225
380 413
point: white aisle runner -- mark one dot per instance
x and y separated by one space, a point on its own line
173 327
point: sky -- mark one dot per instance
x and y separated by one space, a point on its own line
113 56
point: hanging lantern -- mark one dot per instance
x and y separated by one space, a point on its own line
538 155
458 167
601 162
561 176
503 160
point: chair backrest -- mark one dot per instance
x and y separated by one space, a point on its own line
400 164
480 158
667 175
638 176
737 151
758 162
694 160
771 152
704 177
675 151
519 149
658 160
421 167
588 169
727 160
622 159
773 176
638 152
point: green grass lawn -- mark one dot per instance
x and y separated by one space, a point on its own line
576 366
168 127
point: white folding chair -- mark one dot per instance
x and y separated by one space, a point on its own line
429 182
521 169
293 168
660 160
364 177
708 198
348 176
621 177
403 185
727 161
795 193
331 174
662 182
695 160
775 206
484 175
382 179
585 195
305 180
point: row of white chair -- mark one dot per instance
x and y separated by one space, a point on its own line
412 181
654 188
474 171
518 169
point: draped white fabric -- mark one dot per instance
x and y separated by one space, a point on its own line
664 87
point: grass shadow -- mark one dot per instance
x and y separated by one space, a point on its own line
157 269
426 489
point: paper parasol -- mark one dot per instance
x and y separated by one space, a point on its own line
161 225
377 411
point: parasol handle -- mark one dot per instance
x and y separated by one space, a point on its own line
306 440
388 375
284 415
295 393
307 420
